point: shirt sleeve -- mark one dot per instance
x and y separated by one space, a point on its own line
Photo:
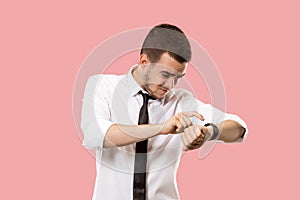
216 116
95 115
210 113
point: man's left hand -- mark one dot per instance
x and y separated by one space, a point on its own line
195 136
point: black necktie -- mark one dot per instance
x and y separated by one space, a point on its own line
140 162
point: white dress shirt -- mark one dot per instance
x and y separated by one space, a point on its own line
113 99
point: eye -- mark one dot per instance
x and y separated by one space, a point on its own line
165 75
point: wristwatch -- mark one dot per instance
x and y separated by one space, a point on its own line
216 131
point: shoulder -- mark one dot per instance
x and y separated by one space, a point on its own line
102 84
104 79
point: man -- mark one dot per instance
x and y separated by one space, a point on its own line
140 125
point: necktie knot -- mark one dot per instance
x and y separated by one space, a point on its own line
146 97
143 116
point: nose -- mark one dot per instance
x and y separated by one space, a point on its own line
169 83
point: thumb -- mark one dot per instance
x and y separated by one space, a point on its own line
184 148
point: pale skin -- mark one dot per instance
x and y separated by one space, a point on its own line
157 80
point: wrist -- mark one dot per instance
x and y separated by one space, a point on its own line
161 129
213 130
210 132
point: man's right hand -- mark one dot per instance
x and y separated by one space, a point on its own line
120 135
179 122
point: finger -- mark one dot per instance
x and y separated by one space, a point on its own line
207 134
189 135
183 120
188 147
186 144
183 123
204 130
184 141
178 123
184 148
194 114
202 139
186 121
198 142
194 145
198 139
199 136
196 133
179 126
191 147
198 130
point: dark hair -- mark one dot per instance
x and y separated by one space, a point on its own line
166 38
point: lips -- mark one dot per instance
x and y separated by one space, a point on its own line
164 90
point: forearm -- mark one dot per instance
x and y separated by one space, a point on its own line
121 135
230 131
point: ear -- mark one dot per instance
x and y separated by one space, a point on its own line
144 59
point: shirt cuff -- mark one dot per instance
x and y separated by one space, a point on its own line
94 134
241 122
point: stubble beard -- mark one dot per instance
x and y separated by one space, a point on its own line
146 83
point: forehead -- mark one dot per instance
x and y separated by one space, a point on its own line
169 64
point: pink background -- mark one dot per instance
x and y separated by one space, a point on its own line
255 45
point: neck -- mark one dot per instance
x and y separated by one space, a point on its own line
137 74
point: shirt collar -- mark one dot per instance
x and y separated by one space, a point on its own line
133 86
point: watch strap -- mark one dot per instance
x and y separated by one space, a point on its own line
215 131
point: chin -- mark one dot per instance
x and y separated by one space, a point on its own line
156 92
159 96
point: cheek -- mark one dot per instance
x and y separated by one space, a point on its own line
156 80
153 87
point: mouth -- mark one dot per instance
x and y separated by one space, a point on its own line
164 90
